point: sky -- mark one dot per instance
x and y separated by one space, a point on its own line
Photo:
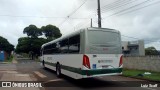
135 19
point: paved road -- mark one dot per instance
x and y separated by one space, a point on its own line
29 70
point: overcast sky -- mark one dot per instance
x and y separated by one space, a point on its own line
123 15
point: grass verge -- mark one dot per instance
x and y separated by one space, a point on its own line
9 59
140 74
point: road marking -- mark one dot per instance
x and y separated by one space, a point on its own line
9 72
149 88
54 80
40 74
22 75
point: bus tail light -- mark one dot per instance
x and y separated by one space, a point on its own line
86 62
121 61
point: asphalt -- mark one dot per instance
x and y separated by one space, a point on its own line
29 70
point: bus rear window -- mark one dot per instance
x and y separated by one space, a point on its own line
104 42
103 38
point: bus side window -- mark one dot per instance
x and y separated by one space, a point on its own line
74 44
41 51
55 48
64 46
44 51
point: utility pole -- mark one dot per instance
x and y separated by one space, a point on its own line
99 14
91 22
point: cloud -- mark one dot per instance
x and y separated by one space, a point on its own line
141 24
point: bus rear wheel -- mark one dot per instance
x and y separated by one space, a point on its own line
58 70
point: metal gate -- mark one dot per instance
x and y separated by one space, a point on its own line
1 55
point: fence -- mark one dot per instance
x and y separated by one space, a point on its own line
150 63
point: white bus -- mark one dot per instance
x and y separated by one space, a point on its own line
89 52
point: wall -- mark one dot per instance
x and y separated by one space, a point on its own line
151 63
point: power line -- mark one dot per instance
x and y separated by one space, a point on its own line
141 7
39 17
134 9
127 9
28 16
72 14
77 8
138 38
130 37
113 4
118 6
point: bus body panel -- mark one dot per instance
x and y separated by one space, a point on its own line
71 65
103 59
102 65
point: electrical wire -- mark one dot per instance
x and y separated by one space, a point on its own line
118 6
28 16
138 38
72 13
140 8
112 4
127 8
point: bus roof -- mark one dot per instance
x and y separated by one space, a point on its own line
77 32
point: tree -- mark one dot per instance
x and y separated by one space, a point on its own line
23 45
5 45
32 44
32 31
51 32
27 45
151 51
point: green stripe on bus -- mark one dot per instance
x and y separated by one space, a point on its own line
101 71
87 72
52 64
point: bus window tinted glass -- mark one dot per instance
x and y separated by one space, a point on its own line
74 44
52 48
64 46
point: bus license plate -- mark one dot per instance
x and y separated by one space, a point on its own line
105 66
105 61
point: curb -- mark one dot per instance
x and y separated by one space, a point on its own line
142 78
4 62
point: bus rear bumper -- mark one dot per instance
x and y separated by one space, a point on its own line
101 72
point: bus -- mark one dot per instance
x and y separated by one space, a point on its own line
89 52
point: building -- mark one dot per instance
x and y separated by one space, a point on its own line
133 48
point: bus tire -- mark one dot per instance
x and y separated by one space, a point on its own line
58 70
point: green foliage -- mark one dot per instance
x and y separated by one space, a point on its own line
26 44
135 73
32 31
10 58
32 44
5 45
23 44
151 51
51 32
